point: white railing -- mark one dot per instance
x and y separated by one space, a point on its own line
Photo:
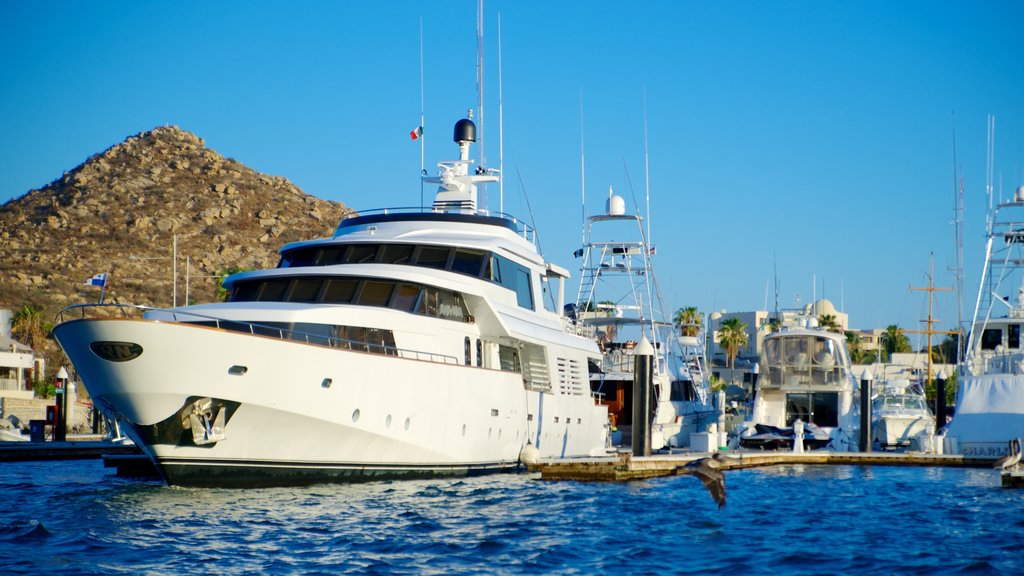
108 311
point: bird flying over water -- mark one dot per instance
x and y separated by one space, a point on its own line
707 470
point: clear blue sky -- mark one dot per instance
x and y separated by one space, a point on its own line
815 137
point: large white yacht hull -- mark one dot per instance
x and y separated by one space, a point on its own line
295 412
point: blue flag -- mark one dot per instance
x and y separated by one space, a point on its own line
97 280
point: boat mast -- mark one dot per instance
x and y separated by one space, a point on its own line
931 289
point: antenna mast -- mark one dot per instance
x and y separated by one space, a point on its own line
647 174
501 130
423 166
583 178
480 75
958 238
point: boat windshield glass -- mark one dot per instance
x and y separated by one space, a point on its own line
802 360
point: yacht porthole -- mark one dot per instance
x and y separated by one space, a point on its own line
387 421
355 416
407 422
463 429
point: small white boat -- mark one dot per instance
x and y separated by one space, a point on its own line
900 418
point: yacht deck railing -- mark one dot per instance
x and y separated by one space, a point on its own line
521 228
134 311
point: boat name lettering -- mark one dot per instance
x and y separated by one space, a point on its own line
1015 238
116 351
985 451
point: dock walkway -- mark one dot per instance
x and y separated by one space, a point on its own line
623 467
69 450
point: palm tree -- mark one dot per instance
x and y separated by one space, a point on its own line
893 341
29 327
828 322
689 320
732 335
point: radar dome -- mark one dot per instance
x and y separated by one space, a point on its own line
465 131
616 205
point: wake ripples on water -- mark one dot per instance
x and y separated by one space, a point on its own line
75 518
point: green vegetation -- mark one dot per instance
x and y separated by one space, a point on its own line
689 320
732 335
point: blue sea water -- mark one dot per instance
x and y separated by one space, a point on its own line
77 518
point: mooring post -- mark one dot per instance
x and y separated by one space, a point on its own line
643 373
940 401
865 411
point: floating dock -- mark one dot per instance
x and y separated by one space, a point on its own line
623 467
69 450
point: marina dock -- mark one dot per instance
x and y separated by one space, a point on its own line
68 450
626 467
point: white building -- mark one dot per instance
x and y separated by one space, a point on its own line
18 363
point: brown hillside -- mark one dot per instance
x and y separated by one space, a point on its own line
120 211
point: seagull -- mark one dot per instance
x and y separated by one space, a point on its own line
1012 457
707 470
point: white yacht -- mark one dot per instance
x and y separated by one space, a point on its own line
804 375
413 342
900 417
989 410
619 304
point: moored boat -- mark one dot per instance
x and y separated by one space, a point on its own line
805 376
619 304
900 417
412 342
989 410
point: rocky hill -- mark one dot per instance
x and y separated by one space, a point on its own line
122 212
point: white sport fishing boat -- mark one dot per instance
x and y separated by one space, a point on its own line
413 342
805 375
989 409
619 304
900 417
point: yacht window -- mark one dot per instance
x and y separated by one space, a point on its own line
509 358
468 261
549 292
524 292
397 254
375 293
274 290
1013 336
306 289
469 359
406 297
479 353
821 408
297 258
361 253
340 290
246 291
493 270
771 351
439 303
991 338
332 255
433 257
